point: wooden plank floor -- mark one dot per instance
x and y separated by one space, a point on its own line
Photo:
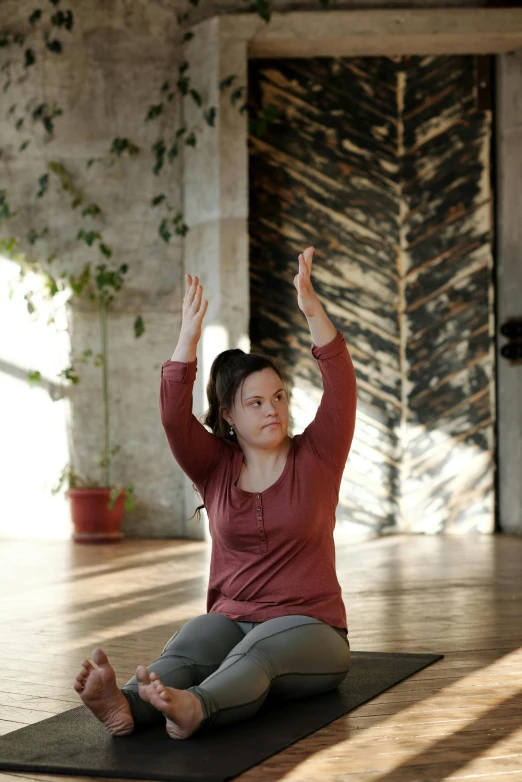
460 718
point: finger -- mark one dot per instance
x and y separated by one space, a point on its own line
197 296
188 285
202 309
191 291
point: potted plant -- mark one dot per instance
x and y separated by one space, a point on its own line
97 506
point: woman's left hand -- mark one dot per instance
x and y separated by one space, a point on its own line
307 298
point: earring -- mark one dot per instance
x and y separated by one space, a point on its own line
231 429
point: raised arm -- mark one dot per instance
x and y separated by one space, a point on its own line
195 449
330 434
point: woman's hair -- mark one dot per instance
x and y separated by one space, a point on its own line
228 372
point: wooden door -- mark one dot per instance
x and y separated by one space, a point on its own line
383 164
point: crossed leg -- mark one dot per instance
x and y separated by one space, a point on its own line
210 672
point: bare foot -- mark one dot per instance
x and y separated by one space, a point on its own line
97 689
182 709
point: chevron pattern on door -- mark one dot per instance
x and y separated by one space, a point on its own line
383 165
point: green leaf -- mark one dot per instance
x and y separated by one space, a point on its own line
187 37
19 123
191 140
51 284
58 168
236 95
44 183
210 116
159 150
120 145
182 229
78 283
63 19
54 46
163 231
58 19
226 82
91 211
105 250
34 378
38 111
89 237
5 211
70 374
24 146
196 96
183 86
139 326
154 111
173 152
157 200
165 86
30 59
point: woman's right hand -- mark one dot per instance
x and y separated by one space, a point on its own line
193 310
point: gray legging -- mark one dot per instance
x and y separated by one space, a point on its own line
232 666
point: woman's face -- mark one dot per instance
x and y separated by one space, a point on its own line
261 401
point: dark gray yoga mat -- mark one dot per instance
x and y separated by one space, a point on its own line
74 742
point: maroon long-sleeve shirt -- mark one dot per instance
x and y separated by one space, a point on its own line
273 552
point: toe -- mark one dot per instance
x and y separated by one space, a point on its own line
99 657
142 675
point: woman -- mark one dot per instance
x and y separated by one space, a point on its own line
275 622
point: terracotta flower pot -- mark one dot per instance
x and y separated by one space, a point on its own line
93 522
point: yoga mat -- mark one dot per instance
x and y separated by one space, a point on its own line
74 742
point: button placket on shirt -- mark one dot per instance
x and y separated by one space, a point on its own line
260 519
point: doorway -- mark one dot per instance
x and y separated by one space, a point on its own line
383 164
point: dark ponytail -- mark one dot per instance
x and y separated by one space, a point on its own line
228 372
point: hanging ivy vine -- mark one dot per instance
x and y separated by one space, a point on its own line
50 28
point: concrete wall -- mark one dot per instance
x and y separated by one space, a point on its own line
509 285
